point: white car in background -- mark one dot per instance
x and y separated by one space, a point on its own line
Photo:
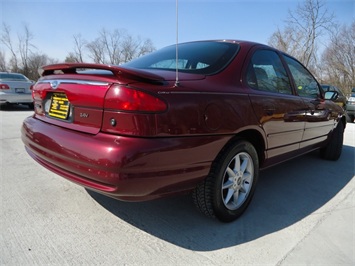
15 88
350 106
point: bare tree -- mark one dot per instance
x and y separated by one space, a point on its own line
21 51
304 27
71 58
146 48
7 41
287 40
130 47
97 51
110 47
135 47
25 47
35 62
339 58
3 66
79 47
117 47
112 43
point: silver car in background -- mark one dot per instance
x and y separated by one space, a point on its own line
350 106
15 88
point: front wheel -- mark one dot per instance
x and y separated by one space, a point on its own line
230 185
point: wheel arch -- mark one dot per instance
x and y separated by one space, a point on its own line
210 195
254 137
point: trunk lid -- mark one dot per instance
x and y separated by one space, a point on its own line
71 103
73 95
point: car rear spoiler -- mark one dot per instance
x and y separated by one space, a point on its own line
77 68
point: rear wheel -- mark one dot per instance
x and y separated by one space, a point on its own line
230 185
335 145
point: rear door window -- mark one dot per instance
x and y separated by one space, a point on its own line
12 77
267 73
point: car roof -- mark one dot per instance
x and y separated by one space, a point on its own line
240 42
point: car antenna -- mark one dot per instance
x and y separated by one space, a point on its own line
177 41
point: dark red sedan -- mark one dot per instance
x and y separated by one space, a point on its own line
203 123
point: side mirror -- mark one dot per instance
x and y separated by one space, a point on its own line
331 95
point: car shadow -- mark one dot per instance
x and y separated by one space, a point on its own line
286 194
15 107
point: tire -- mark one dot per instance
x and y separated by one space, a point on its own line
4 106
348 118
228 189
332 150
31 106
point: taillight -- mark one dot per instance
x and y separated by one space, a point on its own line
38 94
32 92
127 99
4 87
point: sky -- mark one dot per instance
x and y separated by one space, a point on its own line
53 23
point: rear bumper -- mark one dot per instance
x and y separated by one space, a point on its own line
350 109
127 168
15 97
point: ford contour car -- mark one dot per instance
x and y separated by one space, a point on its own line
204 122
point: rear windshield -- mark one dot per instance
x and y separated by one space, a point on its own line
198 57
10 76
